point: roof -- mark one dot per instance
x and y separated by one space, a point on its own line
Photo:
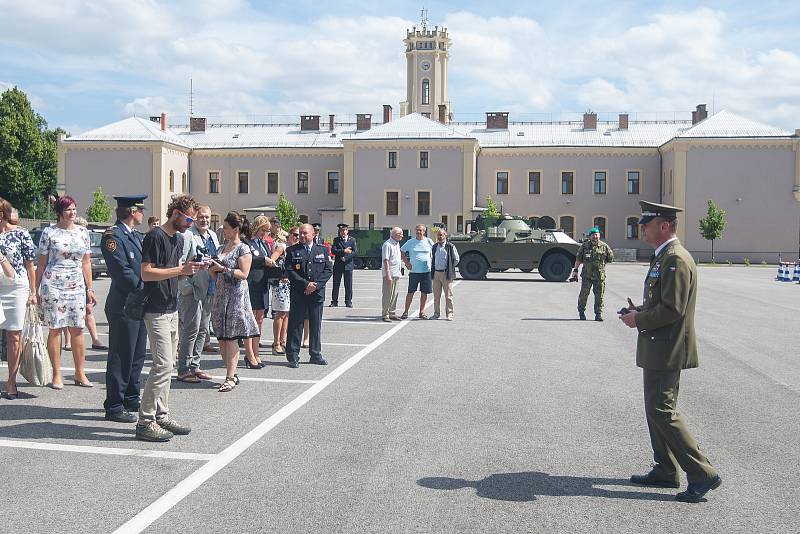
728 124
412 126
724 124
130 129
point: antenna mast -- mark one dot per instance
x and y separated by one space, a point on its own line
424 19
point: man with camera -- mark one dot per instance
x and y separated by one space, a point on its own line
195 294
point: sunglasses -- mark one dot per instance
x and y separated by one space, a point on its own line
295 235
189 220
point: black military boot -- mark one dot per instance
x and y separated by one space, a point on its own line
581 315
598 317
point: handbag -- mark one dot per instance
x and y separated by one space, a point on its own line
34 363
135 303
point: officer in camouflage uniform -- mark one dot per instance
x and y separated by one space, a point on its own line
593 255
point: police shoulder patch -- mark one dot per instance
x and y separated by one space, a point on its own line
111 245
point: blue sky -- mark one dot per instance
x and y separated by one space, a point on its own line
88 63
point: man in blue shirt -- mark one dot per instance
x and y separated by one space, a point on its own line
417 257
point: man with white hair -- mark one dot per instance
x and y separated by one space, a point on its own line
391 259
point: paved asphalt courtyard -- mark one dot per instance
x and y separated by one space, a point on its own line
515 417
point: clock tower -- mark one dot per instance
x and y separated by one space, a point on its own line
426 72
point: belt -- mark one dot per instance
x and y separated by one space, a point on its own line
440 270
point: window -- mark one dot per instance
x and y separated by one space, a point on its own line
423 202
445 221
459 223
600 224
272 183
333 182
184 183
392 160
214 221
213 182
303 219
599 182
426 91
633 182
567 182
371 221
632 228
502 183
567 223
302 182
534 182
356 220
423 160
243 182
392 203
171 181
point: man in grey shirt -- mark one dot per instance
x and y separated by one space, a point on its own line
445 259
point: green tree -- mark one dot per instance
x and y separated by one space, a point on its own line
28 162
287 213
713 225
99 210
491 213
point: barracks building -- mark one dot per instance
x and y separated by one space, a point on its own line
422 167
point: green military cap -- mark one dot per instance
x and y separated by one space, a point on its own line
593 230
651 210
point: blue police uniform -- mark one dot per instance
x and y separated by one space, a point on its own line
303 267
343 267
127 339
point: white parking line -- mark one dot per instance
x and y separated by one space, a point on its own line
104 450
374 322
184 488
146 370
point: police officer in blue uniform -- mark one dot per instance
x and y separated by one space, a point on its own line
344 249
308 268
127 339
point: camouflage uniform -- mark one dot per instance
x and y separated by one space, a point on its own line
593 278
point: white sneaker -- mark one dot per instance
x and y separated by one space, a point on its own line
449 317
434 316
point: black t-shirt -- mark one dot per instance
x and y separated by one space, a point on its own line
163 251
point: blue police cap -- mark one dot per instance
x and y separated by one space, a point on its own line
130 201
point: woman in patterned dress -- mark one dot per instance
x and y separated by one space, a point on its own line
231 313
17 247
280 296
64 279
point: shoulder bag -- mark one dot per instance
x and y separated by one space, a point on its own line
34 364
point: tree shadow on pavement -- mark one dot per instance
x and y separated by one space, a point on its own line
528 485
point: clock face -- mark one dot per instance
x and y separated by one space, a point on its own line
425 66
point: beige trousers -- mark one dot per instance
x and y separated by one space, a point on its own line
162 330
389 297
441 283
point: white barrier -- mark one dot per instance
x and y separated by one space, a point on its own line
796 275
785 271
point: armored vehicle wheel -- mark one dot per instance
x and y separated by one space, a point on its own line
373 263
473 267
555 267
358 263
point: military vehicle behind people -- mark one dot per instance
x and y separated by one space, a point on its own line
510 243
369 245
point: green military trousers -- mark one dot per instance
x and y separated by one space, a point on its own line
673 445
598 286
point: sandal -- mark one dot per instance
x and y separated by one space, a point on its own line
404 316
423 316
227 385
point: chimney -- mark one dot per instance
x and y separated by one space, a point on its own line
309 123
797 132
163 122
331 122
387 113
590 121
443 113
497 120
623 121
363 121
700 114
197 124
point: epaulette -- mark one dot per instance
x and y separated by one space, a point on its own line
109 232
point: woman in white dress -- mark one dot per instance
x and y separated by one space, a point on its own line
64 279
280 297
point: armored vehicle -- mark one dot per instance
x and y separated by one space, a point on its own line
369 241
511 243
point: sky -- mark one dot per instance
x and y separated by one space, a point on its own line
85 64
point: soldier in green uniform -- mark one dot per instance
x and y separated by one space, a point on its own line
666 345
593 255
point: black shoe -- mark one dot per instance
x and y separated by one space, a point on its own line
294 364
581 315
656 479
696 490
252 365
122 417
598 317
133 408
349 304
333 305
236 378
318 361
262 364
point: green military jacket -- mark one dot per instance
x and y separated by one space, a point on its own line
594 259
667 339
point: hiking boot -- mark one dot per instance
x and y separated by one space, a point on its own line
173 426
153 432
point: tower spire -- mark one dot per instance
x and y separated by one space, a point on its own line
423 15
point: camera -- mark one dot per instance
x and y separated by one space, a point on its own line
201 251
624 311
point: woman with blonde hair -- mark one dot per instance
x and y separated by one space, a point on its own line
280 294
64 279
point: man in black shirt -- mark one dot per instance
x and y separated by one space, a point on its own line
161 267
